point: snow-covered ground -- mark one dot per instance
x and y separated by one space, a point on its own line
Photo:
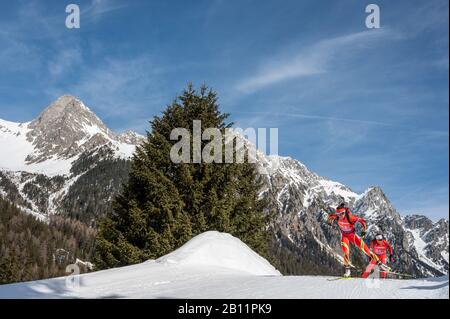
15 148
217 265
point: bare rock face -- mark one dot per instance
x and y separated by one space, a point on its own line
378 211
437 243
418 222
430 240
64 129
130 137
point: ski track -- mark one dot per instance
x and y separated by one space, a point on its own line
152 280
220 266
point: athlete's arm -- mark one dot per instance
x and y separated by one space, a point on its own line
389 247
331 218
356 219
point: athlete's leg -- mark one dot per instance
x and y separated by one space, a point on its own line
362 246
345 245
369 268
383 274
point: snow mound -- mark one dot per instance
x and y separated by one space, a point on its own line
213 248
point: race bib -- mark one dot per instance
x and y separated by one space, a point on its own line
345 226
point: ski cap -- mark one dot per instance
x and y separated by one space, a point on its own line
379 237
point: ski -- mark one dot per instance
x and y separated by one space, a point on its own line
392 273
388 270
354 267
399 274
339 278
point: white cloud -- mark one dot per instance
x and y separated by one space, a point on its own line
101 7
308 61
314 117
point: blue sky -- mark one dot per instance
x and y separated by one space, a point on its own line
360 106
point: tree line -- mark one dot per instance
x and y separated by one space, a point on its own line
31 249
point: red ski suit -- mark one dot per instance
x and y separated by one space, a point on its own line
346 224
379 248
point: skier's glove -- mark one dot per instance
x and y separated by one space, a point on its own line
391 258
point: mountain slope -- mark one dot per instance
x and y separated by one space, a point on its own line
46 164
188 273
31 249
430 241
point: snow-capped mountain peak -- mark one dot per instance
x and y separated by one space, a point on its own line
374 204
65 109
62 132
44 161
64 129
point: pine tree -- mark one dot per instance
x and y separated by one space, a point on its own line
28 246
164 204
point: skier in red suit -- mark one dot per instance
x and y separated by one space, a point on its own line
379 246
346 222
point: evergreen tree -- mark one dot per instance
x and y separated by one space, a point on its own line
164 204
29 247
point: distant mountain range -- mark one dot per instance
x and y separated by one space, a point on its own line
66 161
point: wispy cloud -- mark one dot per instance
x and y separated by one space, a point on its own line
98 8
33 21
308 61
418 132
315 117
